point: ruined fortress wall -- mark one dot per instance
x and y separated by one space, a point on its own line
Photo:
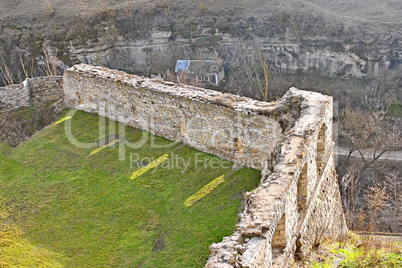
225 125
13 97
45 89
32 91
297 203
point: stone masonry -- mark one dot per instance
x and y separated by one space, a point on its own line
238 129
32 91
297 203
14 97
45 89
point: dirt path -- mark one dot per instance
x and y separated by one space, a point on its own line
385 237
391 155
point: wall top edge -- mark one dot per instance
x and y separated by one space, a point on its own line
22 84
238 103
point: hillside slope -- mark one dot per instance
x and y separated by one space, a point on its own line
334 39
387 11
66 206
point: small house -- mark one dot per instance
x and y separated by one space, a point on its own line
203 71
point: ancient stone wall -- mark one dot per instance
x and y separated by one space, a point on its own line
238 129
32 91
45 89
13 97
297 203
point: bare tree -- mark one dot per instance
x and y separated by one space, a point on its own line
392 214
252 71
371 134
376 197
381 91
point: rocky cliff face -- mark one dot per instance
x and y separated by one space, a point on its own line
315 43
149 36
291 57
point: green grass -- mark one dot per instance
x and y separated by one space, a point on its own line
355 258
359 252
62 207
396 109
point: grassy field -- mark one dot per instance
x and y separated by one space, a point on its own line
65 206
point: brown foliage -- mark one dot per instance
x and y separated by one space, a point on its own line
370 133
18 126
6 74
253 75
368 199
